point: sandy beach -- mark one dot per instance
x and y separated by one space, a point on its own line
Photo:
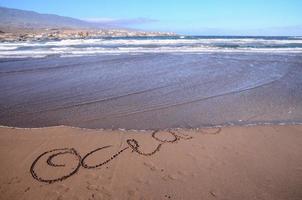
257 162
117 102
150 100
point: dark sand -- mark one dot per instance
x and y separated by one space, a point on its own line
151 91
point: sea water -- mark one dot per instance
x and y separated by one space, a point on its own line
134 45
151 82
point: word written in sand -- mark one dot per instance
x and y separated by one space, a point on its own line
81 161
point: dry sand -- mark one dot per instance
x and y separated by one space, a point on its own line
260 162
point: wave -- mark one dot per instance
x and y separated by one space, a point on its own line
71 42
151 41
94 51
78 47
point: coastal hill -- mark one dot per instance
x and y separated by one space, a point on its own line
21 19
29 25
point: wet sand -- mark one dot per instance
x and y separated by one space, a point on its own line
259 162
151 91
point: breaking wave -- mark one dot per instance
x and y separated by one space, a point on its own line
182 44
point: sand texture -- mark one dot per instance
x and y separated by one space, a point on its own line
260 162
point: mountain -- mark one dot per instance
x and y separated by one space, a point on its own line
21 25
15 19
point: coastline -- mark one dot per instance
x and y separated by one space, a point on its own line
154 109
109 103
262 162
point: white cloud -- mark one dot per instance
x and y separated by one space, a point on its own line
121 22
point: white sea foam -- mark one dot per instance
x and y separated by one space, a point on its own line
78 47
93 51
71 42
4 48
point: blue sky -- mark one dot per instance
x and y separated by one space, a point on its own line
205 17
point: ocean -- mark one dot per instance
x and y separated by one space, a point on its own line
135 45
151 82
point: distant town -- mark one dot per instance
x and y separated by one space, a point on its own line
58 34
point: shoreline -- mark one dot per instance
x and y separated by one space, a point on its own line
227 125
262 162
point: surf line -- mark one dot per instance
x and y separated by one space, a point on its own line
81 161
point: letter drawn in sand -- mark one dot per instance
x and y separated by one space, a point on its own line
81 161
54 153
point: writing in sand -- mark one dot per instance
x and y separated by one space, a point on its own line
48 157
